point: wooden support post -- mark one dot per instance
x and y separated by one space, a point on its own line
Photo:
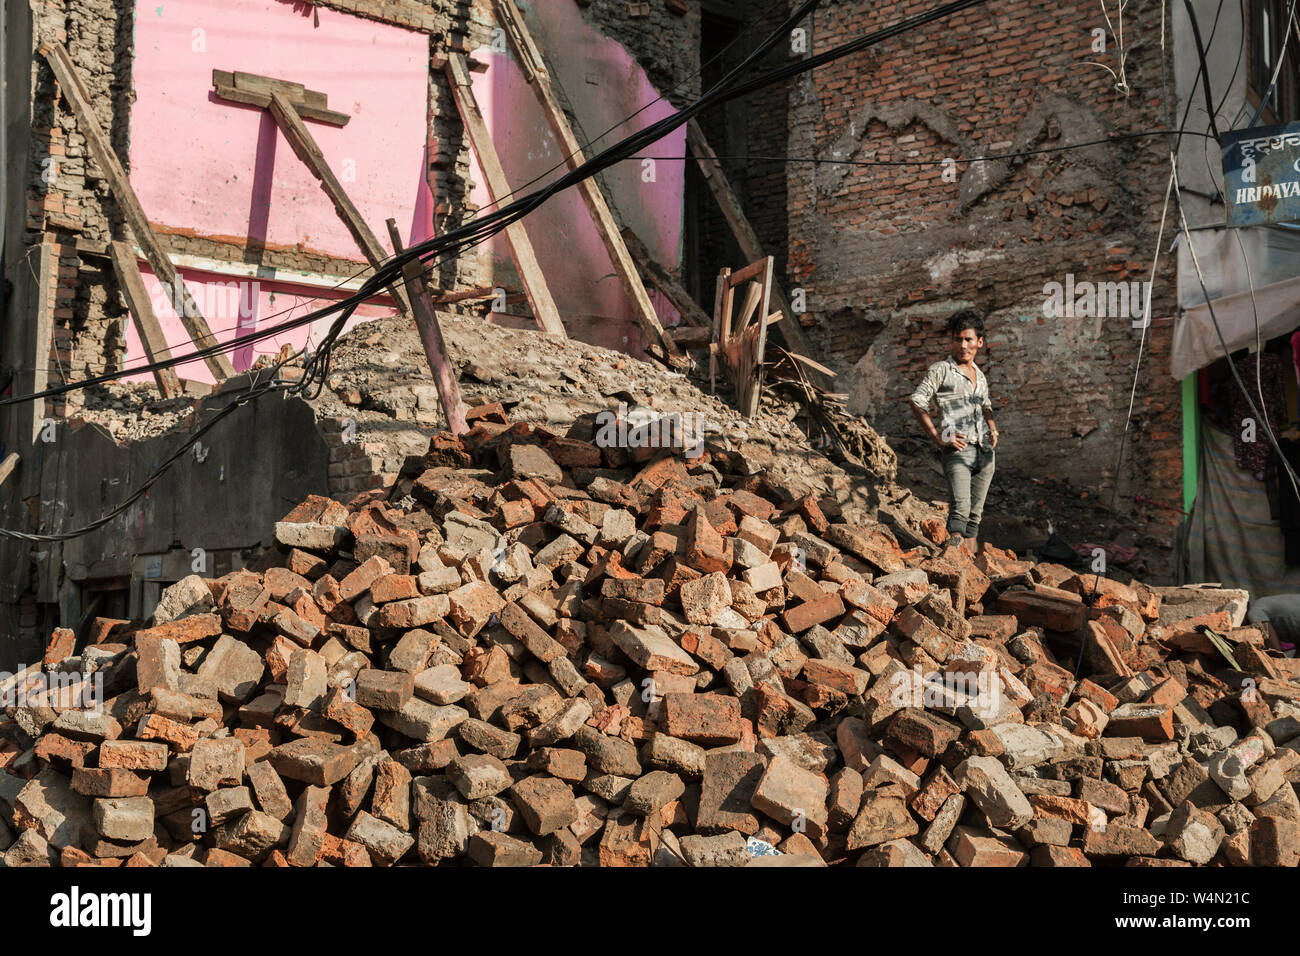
304 145
535 70
100 148
435 349
521 247
7 466
663 280
146 323
744 232
253 90
740 339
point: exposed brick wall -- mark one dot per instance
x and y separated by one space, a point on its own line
887 253
450 160
740 131
66 197
665 41
355 466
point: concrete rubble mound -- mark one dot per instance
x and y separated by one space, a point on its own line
532 649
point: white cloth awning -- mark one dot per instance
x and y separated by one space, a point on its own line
1273 255
1196 344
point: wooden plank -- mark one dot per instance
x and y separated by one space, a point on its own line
264 101
760 347
482 292
131 283
304 145
7 466
752 271
435 348
749 304
810 363
721 310
79 99
268 84
663 280
744 232
691 336
254 90
531 62
740 340
521 247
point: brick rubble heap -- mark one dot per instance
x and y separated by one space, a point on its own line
535 650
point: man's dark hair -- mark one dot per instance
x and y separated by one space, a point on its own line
966 319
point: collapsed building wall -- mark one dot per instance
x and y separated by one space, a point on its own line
886 253
254 239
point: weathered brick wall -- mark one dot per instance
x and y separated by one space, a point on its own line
66 199
746 133
886 253
664 40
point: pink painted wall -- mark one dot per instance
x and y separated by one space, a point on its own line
577 267
221 169
224 171
236 307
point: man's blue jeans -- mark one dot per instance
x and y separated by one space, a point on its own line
969 472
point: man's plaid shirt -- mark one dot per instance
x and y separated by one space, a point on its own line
961 405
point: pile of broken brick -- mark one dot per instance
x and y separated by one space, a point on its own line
532 650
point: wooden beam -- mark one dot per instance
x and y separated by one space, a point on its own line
740 339
100 148
663 280
7 466
263 100
304 145
744 232
521 247
255 90
535 70
131 283
435 349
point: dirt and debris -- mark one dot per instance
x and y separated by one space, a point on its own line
379 379
539 648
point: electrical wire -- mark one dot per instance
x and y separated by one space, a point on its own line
1200 275
1091 595
675 89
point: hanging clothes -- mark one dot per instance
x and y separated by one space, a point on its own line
1250 444
1288 502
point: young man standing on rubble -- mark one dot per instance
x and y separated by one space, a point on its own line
967 433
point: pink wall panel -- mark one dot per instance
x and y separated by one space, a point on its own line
604 85
237 307
223 170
